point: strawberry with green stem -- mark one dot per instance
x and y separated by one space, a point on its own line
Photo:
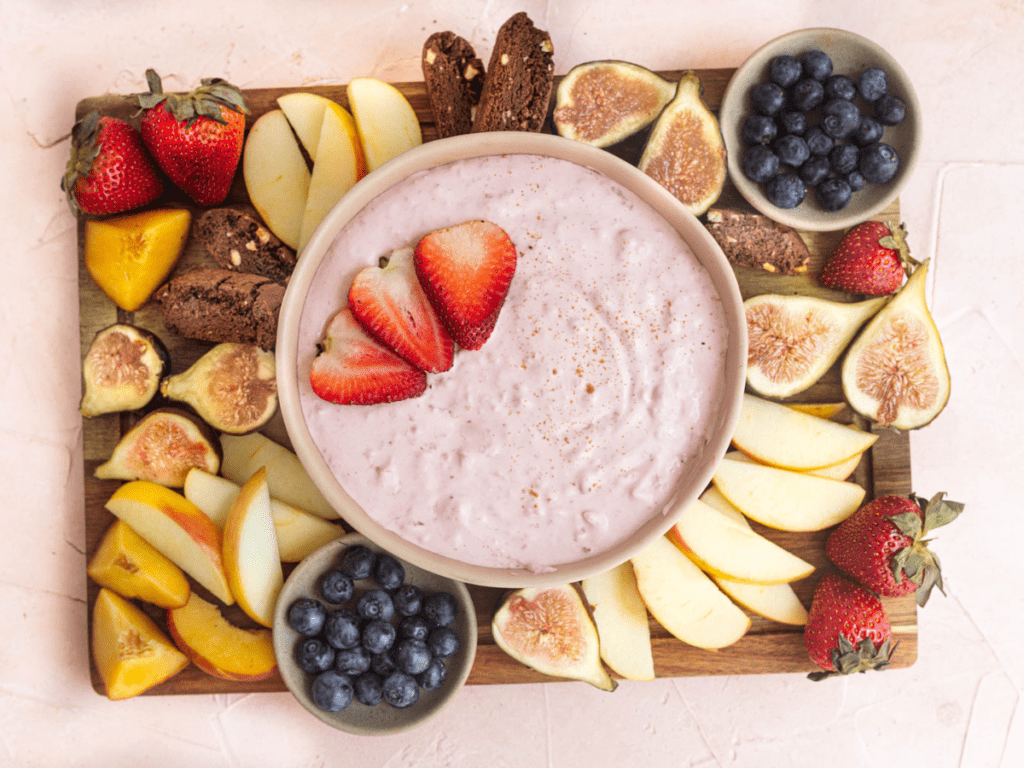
872 259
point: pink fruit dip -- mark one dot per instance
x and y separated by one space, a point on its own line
570 428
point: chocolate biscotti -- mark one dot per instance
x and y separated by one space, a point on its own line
454 78
218 305
239 242
753 240
519 79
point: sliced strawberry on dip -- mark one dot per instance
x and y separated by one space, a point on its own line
389 302
466 271
352 368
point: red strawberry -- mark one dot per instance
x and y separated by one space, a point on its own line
871 259
847 630
109 170
882 544
354 369
196 138
389 302
466 272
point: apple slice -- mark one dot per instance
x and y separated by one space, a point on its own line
335 172
129 565
251 559
218 647
684 600
387 123
621 619
176 528
821 410
724 547
305 113
780 436
276 176
786 500
287 478
131 653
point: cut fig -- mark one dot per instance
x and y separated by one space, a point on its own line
550 630
685 152
895 372
603 102
792 340
122 370
232 387
162 448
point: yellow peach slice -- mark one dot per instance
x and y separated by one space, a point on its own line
129 565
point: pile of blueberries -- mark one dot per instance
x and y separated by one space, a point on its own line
808 131
384 644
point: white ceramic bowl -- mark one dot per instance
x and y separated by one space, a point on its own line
482 145
851 54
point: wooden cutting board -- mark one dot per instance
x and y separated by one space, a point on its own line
767 648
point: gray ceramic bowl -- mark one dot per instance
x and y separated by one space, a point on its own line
357 718
850 54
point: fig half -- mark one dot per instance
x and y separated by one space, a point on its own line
603 102
232 387
792 340
685 152
550 630
895 373
122 370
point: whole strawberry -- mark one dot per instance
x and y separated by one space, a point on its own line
196 138
847 630
882 544
873 259
109 170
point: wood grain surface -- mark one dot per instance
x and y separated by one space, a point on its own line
768 647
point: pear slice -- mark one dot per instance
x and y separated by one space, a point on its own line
549 629
895 373
793 340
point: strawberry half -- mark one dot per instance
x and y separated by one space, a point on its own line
354 369
872 258
466 272
389 302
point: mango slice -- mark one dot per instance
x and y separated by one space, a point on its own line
129 565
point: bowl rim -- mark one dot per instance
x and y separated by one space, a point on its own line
441 152
732 100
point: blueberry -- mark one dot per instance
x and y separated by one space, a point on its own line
785 70
873 84
369 688
843 158
415 627
375 604
833 194
313 655
400 690
839 118
786 190
378 636
792 122
856 180
817 65
352 661
408 600
306 616
443 642
383 664
879 163
341 630
412 656
433 676
840 87
791 150
440 608
890 110
760 164
389 573
815 170
868 131
806 95
357 562
336 587
819 142
758 129
332 691
767 98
